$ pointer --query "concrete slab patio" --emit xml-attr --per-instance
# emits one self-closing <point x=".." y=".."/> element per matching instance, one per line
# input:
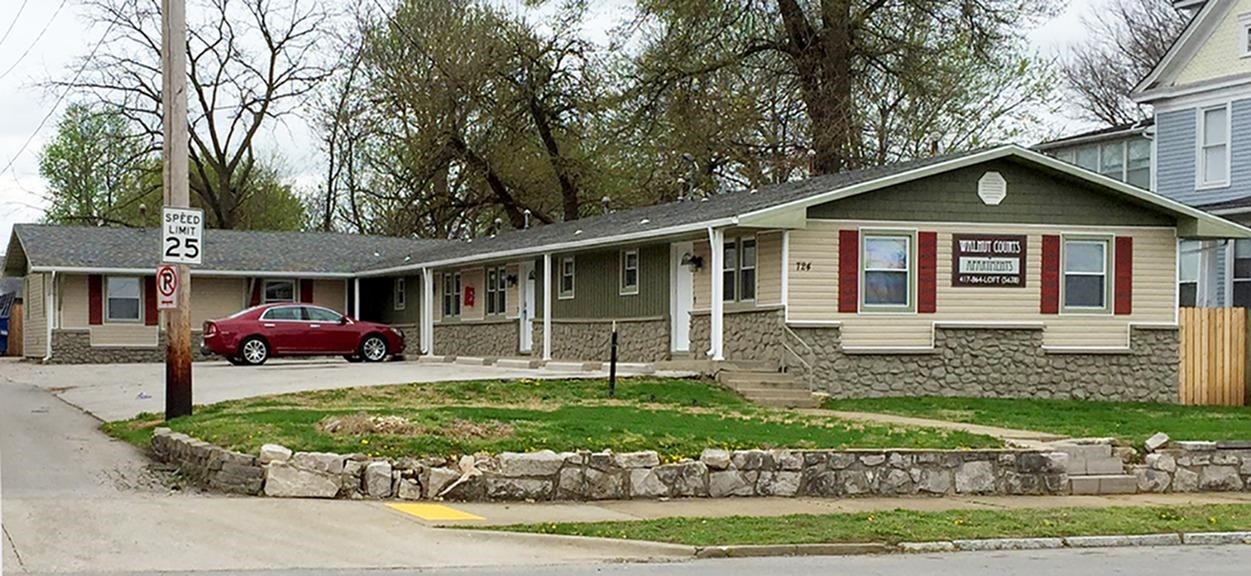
<point x="120" y="391"/>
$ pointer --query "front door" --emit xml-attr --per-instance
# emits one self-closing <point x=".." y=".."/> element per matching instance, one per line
<point x="682" y="285"/>
<point x="526" y="328"/>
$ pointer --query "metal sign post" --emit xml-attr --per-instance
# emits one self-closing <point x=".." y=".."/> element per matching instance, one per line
<point x="180" y="224"/>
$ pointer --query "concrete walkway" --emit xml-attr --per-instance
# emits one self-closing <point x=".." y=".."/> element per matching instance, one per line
<point x="1019" y="438"/>
<point x="499" y="514"/>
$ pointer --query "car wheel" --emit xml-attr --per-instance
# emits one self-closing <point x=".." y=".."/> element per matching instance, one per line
<point x="254" y="351"/>
<point x="353" y="359"/>
<point x="374" y="348"/>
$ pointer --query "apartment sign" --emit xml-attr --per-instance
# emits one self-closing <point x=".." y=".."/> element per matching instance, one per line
<point x="988" y="260"/>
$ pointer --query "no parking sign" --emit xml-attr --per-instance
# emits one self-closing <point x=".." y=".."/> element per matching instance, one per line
<point x="167" y="288"/>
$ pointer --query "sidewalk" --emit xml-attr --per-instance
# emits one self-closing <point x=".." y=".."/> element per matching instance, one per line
<point x="499" y="514"/>
<point x="1021" y="438"/>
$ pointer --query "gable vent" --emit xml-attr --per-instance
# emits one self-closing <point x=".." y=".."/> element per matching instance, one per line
<point x="992" y="188"/>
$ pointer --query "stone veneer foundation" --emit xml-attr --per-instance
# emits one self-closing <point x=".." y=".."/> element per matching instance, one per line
<point x="638" y="340"/>
<point x="487" y="338"/>
<point x="74" y="347"/>
<point x="756" y="334"/>
<point x="992" y="363"/>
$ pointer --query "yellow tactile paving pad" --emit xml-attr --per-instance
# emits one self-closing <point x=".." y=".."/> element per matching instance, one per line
<point x="436" y="512"/>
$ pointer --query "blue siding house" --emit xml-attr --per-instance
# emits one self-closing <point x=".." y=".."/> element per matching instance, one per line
<point x="1201" y="97"/>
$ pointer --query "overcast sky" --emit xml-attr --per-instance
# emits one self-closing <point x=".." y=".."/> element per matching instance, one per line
<point x="47" y="35"/>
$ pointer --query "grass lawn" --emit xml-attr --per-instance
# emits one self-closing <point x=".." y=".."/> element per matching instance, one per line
<point x="897" y="526"/>
<point x="678" y="418"/>
<point x="1130" y="422"/>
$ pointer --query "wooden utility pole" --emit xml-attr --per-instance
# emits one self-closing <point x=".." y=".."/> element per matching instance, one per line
<point x="177" y="195"/>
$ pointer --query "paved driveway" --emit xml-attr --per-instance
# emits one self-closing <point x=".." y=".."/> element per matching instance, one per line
<point x="120" y="391"/>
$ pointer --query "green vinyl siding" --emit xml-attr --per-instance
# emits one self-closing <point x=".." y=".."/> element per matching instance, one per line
<point x="597" y="285"/>
<point x="378" y="300"/>
<point x="1034" y="196"/>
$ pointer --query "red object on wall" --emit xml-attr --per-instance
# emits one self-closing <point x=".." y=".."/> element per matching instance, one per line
<point x="927" y="272"/>
<point x="150" y="313"/>
<point x="848" y="271"/>
<point x="306" y="291"/>
<point x="1123" y="276"/>
<point x="468" y="298"/>
<point x="1050" y="275"/>
<point x="255" y="299"/>
<point x="95" y="299"/>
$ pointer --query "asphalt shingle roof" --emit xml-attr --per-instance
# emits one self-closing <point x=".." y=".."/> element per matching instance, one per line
<point x="224" y="250"/>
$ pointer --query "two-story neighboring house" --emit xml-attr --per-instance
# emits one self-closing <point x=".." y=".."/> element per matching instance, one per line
<point x="1122" y="152"/>
<point x="1201" y="96"/>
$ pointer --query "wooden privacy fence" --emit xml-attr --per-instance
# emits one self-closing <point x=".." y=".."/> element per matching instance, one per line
<point x="1213" y="356"/>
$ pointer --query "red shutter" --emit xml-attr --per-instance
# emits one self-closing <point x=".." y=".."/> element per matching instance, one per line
<point x="1050" y="275"/>
<point x="95" y="299"/>
<point x="1123" y="277"/>
<point x="927" y="272"/>
<point x="848" y="271"/>
<point x="255" y="299"/>
<point x="150" y="313"/>
<point x="306" y="291"/>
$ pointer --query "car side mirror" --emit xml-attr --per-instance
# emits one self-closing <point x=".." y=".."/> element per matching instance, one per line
<point x="343" y="320"/>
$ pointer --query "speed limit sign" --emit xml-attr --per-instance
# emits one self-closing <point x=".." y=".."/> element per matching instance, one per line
<point x="167" y="288"/>
<point x="182" y="235"/>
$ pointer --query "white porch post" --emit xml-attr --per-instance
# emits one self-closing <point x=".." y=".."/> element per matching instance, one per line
<point x="356" y="298"/>
<point x="547" y="306"/>
<point x="716" y="245"/>
<point x="427" y="311"/>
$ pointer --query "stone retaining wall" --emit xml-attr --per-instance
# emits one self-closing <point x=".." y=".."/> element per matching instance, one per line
<point x="488" y="339"/>
<point x="546" y="475"/>
<point x="755" y="335"/>
<point x="74" y="347"/>
<point x="208" y="465"/>
<point x="637" y="340"/>
<point x="1196" y="467"/>
<point x="993" y="363"/>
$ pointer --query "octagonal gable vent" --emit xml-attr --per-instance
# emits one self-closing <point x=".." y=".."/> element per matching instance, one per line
<point x="992" y="188"/>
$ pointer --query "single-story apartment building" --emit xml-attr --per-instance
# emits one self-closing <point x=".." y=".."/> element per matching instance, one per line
<point x="999" y="271"/>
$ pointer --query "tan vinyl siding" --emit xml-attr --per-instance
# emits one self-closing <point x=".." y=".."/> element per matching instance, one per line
<point x="35" y="327"/>
<point x="124" y="335"/>
<point x="73" y="301"/>
<point x="1220" y="55"/>
<point x="332" y="293"/>
<point x="814" y="296"/>
<point x="512" y="296"/>
<point x="769" y="268"/>
<point x="213" y="298"/>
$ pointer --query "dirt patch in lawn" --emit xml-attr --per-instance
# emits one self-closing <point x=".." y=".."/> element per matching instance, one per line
<point x="362" y="424"/>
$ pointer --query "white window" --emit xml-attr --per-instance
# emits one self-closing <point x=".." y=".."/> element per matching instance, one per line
<point x="1244" y="40"/>
<point x="401" y="293"/>
<point x="747" y="270"/>
<point x="123" y="299"/>
<point x="1242" y="274"/>
<point x="1088" y="157"/>
<point x="279" y="291"/>
<point x="451" y="295"/>
<point x="497" y="285"/>
<point x="886" y="271"/>
<point x="738" y="280"/>
<point x="1138" y="168"/>
<point x="729" y="274"/>
<point x="566" y="277"/>
<point x="1086" y="274"/>
<point x="1188" y="273"/>
<point x="629" y="272"/>
<point x="1214" y="146"/>
<point x="1112" y="160"/>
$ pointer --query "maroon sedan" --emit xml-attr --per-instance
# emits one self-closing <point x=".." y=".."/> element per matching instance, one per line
<point x="252" y="336"/>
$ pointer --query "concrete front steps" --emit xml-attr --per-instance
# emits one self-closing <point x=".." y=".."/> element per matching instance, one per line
<point x="768" y="388"/>
<point x="1095" y="469"/>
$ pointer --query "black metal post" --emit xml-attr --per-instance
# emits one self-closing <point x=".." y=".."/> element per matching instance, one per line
<point x="612" y="364"/>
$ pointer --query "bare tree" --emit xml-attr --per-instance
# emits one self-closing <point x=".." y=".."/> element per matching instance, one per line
<point x="1126" y="39"/>
<point x="250" y="64"/>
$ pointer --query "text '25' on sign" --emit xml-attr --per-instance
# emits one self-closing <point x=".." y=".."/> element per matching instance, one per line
<point x="182" y="235"/>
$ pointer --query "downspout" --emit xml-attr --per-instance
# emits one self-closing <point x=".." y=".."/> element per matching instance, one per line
<point x="716" y="317"/>
<point x="50" y="316"/>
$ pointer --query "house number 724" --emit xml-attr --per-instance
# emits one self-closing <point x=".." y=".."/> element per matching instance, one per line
<point x="803" y="266"/>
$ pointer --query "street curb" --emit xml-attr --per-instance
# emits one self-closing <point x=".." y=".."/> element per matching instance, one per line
<point x="1113" y="541"/>
<point x="765" y="550"/>
<point x="625" y="548"/>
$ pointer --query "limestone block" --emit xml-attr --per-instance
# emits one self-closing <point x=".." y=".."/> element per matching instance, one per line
<point x="645" y="484"/>
<point x="1219" y="479"/>
<point x="286" y="481"/>
<point x="779" y="483"/>
<point x="1185" y="480"/>
<point x="644" y="459"/>
<point x="543" y="463"/>
<point x="378" y="479"/>
<point x="752" y="460"/>
<point x="274" y="453"/>
<point x="935" y="481"/>
<point x="506" y="488"/>
<point x="790" y="460"/>
<point x="408" y="489"/>
<point x="715" y="459"/>
<point x="606" y="485"/>
<point x="571" y="483"/>
<point x="1156" y="441"/>
<point x="318" y="462"/>
<point x="435" y="480"/>
<point x="722" y="483"/>
<point x="975" y="478"/>
<point x="1151" y="480"/>
<point x="1161" y="462"/>
<point x="873" y="459"/>
<point x="684" y="479"/>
